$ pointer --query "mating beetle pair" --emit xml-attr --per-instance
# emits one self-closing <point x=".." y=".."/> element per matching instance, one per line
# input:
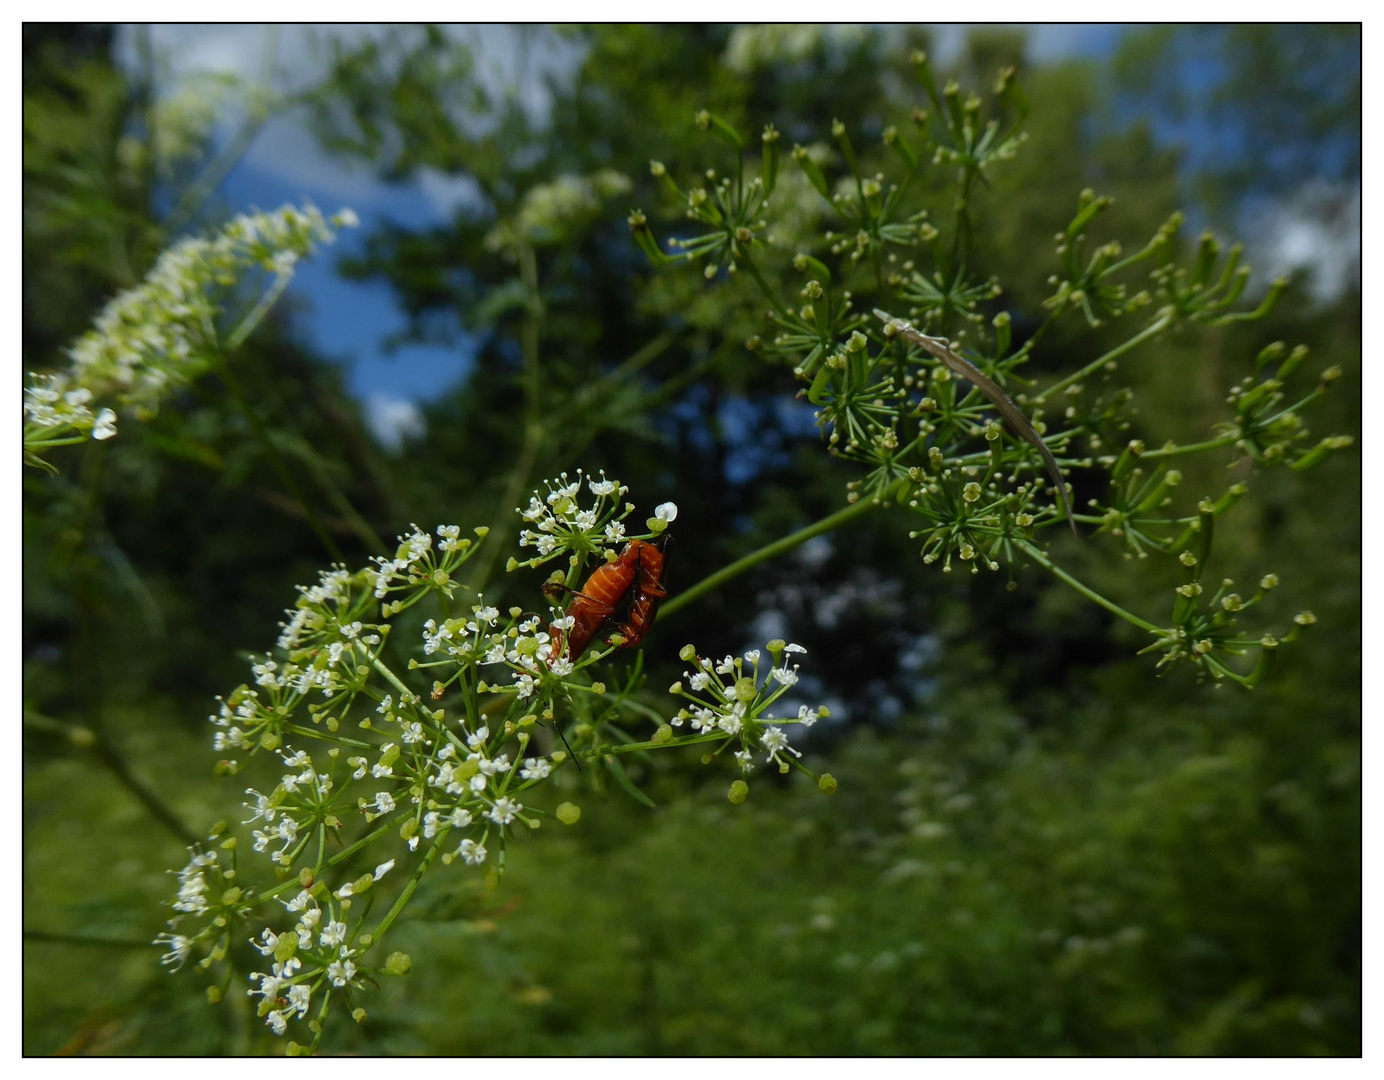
<point x="620" y="597"/>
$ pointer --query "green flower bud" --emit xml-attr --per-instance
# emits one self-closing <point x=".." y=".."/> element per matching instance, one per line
<point x="398" y="963"/>
<point x="745" y="689"/>
<point x="663" y="734"/>
<point x="287" y="946"/>
<point x="739" y="791"/>
<point x="568" y="813"/>
<point x="687" y="654"/>
<point x="827" y="783"/>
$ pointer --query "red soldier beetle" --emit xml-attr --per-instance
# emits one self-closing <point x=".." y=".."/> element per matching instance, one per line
<point x="635" y="575"/>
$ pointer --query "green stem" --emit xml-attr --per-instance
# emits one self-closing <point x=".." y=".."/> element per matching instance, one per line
<point x="257" y="313"/>
<point x="393" y="913"/>
<point x="626" y="748"/>
<point x="394" y="680"/>
<point x="96" y="744"/>
<point x="534" y="434"/>
<point x="1151" y="331"/>
<point x="340" y="856"/>
<point x="337" y="498"/>
<point x="1037" y="556"/>
<point x="275" y="458"/>
<point x="330" y="736"/>
<point x="83" y="939"/>
<point x="764" y="287"/>
<point x="1191" y="448"/>
<point x="769" y="551"/>
<point x="206" y="184"/>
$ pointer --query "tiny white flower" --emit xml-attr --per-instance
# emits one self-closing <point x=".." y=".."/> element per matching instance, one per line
<point x="299" y="997"/>
<point x="774" y="740"/>
<point x="340" y="972"/>
<point x="333" y="934"/>
<point x="383" y="868"/>
<point x="179" y="947"/>
<point x="384" y="802"/>
<point x="535" y="768"/>
<point x="105" y="425"/>
<point x="790" y="647"/>
<point x="666" y="511"/>
<point x="784" y="676"/>
<point x="298" y="902"/>
<point x="472" y="852"/>
<point x="504" y="811"/>
<point x="275" y="1019"/>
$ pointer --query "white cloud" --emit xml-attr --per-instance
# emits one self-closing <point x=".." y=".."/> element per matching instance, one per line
<point x="1315" y="229"/>
<point x="447" y="193"/>
<point x="392" y="420"/>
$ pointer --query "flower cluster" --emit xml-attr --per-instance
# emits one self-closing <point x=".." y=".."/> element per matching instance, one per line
<point x="730" y="701"/>
<point x="559" y="524"/>
<point x="448" y="771"/>
<point x="944" y="425"/>
<point x="151" y="339"/>
<point x="551" y="212"/>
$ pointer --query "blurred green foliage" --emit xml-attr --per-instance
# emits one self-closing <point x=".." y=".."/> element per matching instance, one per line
<point x="1036" y="846"/>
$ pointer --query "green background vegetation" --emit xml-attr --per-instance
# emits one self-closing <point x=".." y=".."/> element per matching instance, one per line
<point x="1037" y="845"/>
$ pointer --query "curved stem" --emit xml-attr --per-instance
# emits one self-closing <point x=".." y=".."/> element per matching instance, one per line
<point x="1037" y="556"/>
<point x="769" y="551"/>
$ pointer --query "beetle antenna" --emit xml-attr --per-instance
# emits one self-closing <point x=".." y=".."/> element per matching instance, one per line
<point x="563" y="737"/>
